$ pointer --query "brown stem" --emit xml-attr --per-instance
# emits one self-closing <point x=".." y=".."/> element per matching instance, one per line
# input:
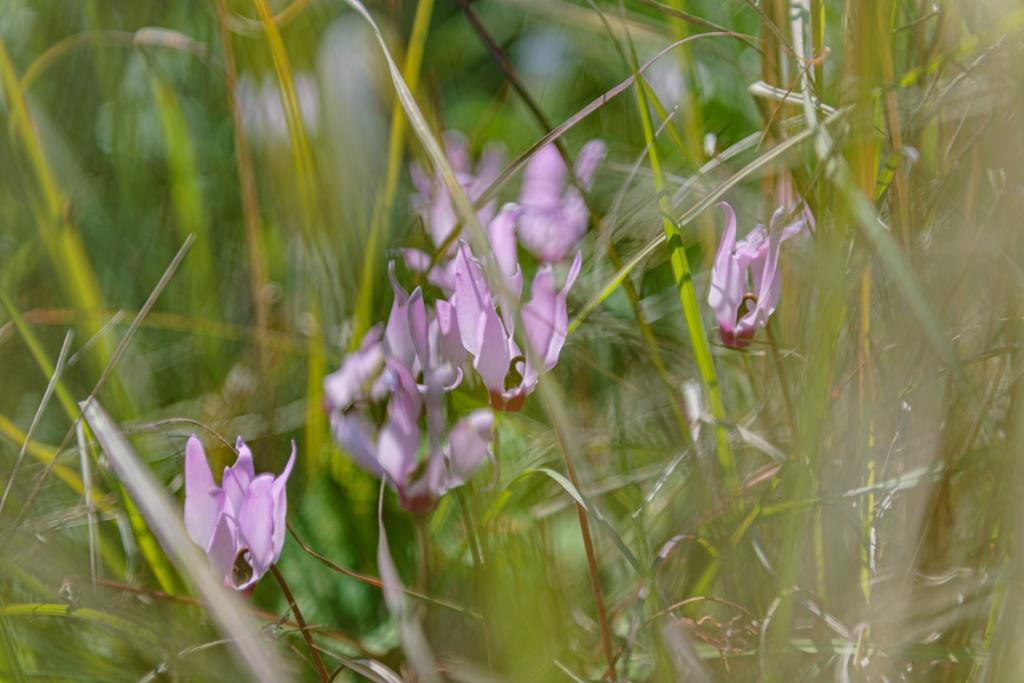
<point x="375" y="582"/>
<point x="588" y="545"/>
<point x="319" y="663"/>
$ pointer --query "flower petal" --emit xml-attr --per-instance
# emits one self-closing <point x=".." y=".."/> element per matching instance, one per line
<point x="727" y="288"/>
<point x="450" y="343"/>
<point x="545" y="318"/>
<point x="397" y="341"/>
<point x="399" y="439"/>
<point x="472" y="298"/>
<point x="589" y="158"/>
<point x="469" y="444"/>
<point x="419" y="329"/>
<point x="492" y="359"/>
<point x="543" y="179"/>
<point x="223" y="549"/>
<point x="256" y="524"/>
<point x="354" y="379"/>
<point x="279" y="493"/>
<point x="355" y="434"/>
<point x="201" y="508"/>
<point x="502" y="235"/>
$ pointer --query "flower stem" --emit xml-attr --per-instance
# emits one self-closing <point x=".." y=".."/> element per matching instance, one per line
<point x="321" y="670"/>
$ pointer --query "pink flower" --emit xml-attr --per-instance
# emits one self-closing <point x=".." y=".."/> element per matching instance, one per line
<point x="393" y="450"/>
<point x="241" y="523"/>
<point x="417" y="358"/>
<point x="553" y="218"/>
<point x="433" y="202"/>
<point x="739" y="311"/>
<point x="488" y="337"/>
<point x="358" y="378"/>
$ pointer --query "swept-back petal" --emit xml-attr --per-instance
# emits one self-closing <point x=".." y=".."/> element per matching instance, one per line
<point x="727" y="288"/>
<point x="223" y="549"/>
<point x="359" y="370"/>
<point x="256" y="523"/>
<point x="543" y="179"/>
<point x="419" y="329"/>
<point x="469" y="444"/>
<point x="399" y="438"/>
<point x="397" y="339"/>
<point x="450" y="342"/>
<point x="545" y="317"/>
<point x="201" y="507"/>
<point x="589" y="158"/>
<point x="354" y="433"/>
<point x="472" y="298"/>
<point x="243" y="463"/>
<point x="492" y="359"/>
<point x="502" y="234"/>
<point x="279" y="493"/>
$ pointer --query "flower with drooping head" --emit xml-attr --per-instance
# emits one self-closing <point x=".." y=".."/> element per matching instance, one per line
<point x="241" y="523"/>
<point x="392" y="450"/>
<point x="508" y="373"/>
<point x="738" y="264"/>
<point x="553" y="216"/>
<point x="408" y="367"/>
<point x="433" y="201"/>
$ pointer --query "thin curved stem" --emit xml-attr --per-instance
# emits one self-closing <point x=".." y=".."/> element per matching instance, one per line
<point x="321" y="670"/>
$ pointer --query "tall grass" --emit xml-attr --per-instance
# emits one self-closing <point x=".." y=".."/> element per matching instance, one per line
<point x="838" y="501"/>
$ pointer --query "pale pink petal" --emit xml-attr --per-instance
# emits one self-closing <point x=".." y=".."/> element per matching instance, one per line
<point x="397" y="340"/>
<point x="201" y="508"/>
<point x="279" y="493"/>
<point x="256" y="524"/>
<point x="589" y="158"/>
<point x="469" y="445"/>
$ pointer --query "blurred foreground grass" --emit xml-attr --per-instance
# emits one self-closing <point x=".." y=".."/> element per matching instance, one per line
<point x="849" y="510"/>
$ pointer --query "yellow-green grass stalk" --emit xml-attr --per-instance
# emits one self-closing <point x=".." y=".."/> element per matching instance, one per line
<point x="302" y="158"/>
<point x="692" y="119"/>
<point x="61" y="239"/>
<point x="186" y="195"/>
<point x="247" y="189"/>
<point x="411" y="67"/>
<point x="687" y="293"/>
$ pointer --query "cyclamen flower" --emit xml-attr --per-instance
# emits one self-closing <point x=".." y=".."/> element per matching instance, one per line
<point x="740" y="313"/>
<point x="509" y="374"/>
<point x="392" y="451"/>
<point x="434" y="203"/>
<point x="554" y="216"/>
<point x="417" y="357"/>
<point x="241" y="523"/>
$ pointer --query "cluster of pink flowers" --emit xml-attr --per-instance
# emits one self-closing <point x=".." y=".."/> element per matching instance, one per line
<point x="387" y="401"/>
<point x="391" y="391"/>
